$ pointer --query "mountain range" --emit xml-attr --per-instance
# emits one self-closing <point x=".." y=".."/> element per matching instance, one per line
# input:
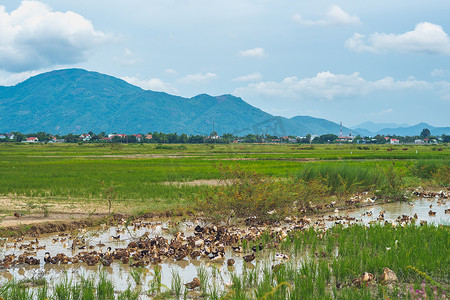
<point x="373" y="129"/>
<point x="78" y="101"/>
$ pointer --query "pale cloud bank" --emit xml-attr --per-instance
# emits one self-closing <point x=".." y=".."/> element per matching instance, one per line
<point x="10" y="79"/>
<point x="127" y="59"/>
<point x="198" y="78"/>
<point x="334" y="16"/>
<point x="326" y="86"/>
<point x="255" y="52"/>
<point x="439" y="72"/>
<point x="249" y="77"/>
<point x="171" y="72"/>
<point x="34" y="37"/>
<point x="153" y="84"/>
<point x="425" y="38"/>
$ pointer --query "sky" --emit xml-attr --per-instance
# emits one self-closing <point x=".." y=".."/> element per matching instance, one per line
<point x="345" y="61"/>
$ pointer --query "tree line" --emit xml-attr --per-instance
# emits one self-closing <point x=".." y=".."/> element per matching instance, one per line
<point x="174" y="138"/>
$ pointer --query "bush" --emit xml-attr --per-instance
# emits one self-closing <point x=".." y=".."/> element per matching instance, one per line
<point x="167" y="147"/>
<point x="394" y="187"/>
<point x="344" y="179"/>
<point x="245" y="193"/>
<point x="441" y="176"/>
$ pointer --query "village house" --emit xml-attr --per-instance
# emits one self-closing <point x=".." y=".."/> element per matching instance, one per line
<point x="395" y="141"/>
<point x="55" y="140"/>
<point x="32" y="139"/>
<point x="85" y="137"/>
<point x="138" y="137"/>
<point x="347" y="139"/>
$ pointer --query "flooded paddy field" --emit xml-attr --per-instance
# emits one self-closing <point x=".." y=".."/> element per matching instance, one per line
<point x="148" y="259"/>
<point x="327" y="249"/>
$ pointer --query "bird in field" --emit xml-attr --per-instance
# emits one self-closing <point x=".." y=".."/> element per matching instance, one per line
<point x="193" y="284"/>
<point x="49" y="259"/>
<point x="17" y="215"/>
<point x="281" y="256"/>
<point x="114" y="237"/>
<point x="237" y="249"/>
<point x="249" y="258"/>
<point x="260" y="247"/>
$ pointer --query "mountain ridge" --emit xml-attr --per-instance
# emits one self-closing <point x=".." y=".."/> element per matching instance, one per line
<point x="76" y="101"/>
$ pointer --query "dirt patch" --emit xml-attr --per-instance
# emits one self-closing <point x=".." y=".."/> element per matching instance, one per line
<point x="51" y="225"/>
<point x="198" y="182"/>
<point x="19" y="212"/>
<point x="241" y="158"/>
<point x="11" y="221"/>
<point x="124" y="156"/>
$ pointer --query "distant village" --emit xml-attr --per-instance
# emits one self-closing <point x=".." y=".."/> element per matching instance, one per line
<point x="173" y="138"/>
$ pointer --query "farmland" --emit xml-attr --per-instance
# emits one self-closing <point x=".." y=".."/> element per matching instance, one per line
<point x="139" y="174"/>
<point x="310" y="205"/>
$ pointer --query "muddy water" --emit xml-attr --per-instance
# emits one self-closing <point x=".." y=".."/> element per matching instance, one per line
<point x="392" y="211"/>
<point x="187" y="268"/>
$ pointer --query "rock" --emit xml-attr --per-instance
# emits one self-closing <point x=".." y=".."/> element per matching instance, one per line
<point x="388" y="276"/>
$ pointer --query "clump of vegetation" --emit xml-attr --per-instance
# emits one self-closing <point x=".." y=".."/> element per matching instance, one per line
<point x="344" y="178"/>
<point x="138" y="274"/>
<point x="176" y="284"/>
<point x="44" y="208"/>
<point x="167" y="147"/>
<point x="245" y="193"/>
<point x="394" y="186"/>
<point x="426" y="169"/>
<point x="442" y="176"/>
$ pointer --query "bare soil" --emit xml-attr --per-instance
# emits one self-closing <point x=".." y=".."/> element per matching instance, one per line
<point x="38" y="210"/>
<point x="198" y="182"/>
<point x="62" y="215"/>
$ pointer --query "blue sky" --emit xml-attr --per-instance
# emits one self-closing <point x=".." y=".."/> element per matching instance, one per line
<point x="349" y="61"/>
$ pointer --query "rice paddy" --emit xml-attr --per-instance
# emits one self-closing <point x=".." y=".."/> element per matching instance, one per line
<point x="324" y="258"/>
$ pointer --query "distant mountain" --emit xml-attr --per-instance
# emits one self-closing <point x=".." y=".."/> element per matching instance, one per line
<point x="414" y="130"/>
<point x="374" y="127"/>
<point x="364" y="132"/>
<point x="319" y="126"/>
<point x="77" y="101"/>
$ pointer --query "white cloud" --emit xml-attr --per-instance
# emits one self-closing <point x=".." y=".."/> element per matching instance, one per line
<point x="328" y="86"/>
<point x="425" y="38"/>
<point x="439" y="72"/>
<point x="249" y="77"/>
<point x="334" y="16"/>
<point x="10" y="79"/>
<point x="127" y="58"/>
<point x="386" y="111"/>
<point x="255" y="52"/>
<point x="34" y="37"/>
<point x="198" y="78"/>
<point x="170" y="72"/>
<point x="153" y="84"/>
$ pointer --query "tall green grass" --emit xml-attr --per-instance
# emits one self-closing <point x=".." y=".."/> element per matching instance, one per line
<point x="342" y="178"/>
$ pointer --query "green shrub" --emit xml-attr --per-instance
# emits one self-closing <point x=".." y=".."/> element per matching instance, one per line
<point x="245" y="193"/>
